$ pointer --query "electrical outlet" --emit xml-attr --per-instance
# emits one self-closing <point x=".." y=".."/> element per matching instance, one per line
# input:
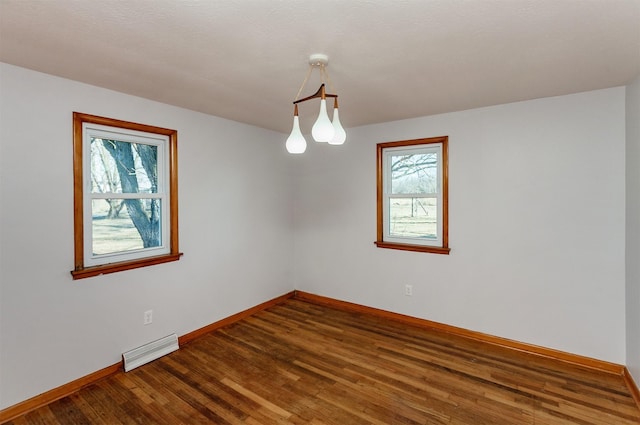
<point x="408" y="290"/>
<point x="148" y="317"/>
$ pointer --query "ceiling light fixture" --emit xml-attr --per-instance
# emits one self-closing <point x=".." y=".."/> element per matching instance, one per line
<point x="324" y="130"/>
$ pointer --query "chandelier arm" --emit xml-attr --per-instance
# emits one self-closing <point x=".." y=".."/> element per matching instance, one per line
<point x="315" y="95"/>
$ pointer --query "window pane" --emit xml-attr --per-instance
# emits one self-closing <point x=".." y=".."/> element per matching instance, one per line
<point x="413" y="218"/>
<point x="416" y="173"/>
<point x="121" y="225"/>
<point x="123" y="167"/>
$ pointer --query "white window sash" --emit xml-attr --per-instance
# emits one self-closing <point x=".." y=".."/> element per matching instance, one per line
<point x="387" y="195"/>
<point x="91" y="130"/>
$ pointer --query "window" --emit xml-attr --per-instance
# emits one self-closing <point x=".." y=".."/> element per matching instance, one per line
<point x="125" y="195"/>
<point x="413" y="195"/>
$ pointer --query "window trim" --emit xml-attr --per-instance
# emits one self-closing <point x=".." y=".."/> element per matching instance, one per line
<point x="80" y="269"/>
<point x="380" y="183"/>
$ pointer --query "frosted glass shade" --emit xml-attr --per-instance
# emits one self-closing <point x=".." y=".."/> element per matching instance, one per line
<point x="322" y="130"/>
<point x="296" y="143"/>
<point x="339" y="134"/>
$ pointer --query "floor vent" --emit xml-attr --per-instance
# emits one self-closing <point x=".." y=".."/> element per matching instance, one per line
<point x="148" y="352"/>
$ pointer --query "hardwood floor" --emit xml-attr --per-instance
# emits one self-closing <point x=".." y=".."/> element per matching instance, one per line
<point x="302" y="363"/>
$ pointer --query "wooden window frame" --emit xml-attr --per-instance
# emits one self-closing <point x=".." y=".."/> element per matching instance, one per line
<point x="380" y="170"/>
<point x="80" y="270"/>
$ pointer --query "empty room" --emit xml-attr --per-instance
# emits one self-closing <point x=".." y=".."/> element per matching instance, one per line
<point x="320" y="212"/>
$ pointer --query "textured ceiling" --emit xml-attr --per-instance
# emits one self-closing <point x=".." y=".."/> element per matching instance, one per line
<point x="389" y="59"/>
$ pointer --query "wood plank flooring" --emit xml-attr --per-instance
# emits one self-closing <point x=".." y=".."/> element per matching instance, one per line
<point x="302" y="363"/>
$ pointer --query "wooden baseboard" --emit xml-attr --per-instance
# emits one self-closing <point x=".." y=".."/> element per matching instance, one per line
<point x="557" y="355"/>
<point x="43" y="399"/>
<point x="633" y="387"/>
<point x="185" y="339"/>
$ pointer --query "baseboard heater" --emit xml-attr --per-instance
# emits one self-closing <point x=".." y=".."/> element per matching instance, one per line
<point x="149" y="352"/>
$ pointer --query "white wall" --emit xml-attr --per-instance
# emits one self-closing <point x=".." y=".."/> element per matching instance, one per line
<point x="633" y="228"/>
<point x="537" y="215"/>
<point x="235" y="232"/>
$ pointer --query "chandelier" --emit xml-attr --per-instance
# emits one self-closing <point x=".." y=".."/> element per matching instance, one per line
<point x="324" y="130"/>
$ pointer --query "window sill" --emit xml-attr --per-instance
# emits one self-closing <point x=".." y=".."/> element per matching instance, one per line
<point x="415" y="248"/>
<point x="82" y="273"/>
